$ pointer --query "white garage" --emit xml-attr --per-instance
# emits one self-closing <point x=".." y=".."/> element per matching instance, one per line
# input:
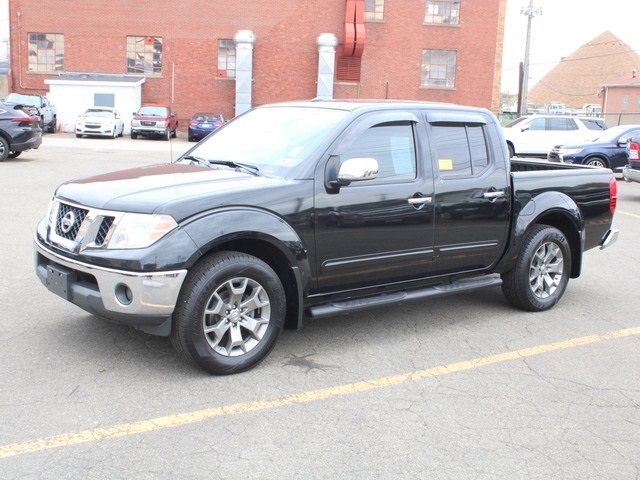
<point x="73" y="93"/>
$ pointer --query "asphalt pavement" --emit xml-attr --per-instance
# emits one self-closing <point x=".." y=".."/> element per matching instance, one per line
<point x="463" y="387"/>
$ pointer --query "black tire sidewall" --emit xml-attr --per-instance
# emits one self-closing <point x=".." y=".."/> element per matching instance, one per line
<point x="6" y="150"/>
<point x="548" y="234"/>
<point x="192" y="311"/>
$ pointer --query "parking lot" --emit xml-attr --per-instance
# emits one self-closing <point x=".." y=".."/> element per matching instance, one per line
<point x="460" y="387"/>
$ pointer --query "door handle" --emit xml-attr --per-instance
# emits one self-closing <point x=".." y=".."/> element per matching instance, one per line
<point x="419" y="200"/>
<point x="493" y="195"/>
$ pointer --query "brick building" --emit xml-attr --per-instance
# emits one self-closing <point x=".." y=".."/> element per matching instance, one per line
<point x="621" y="100"/>
<point x="433" y="50"/>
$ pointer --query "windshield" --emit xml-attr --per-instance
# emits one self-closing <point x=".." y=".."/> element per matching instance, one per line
<point x="274" y="139"/>
<point x="23" y="99"/>
<point x="98" y="113"/>
<point x="208" y="117"/>
<point x="153" y="111"/>
<point x="515" y="122"/>
<point x="612" y="134"/>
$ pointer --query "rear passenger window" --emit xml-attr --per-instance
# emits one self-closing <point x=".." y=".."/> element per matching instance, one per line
<point x="460" y="150"/>
<point x="392" y="145"/>
<point x="562" y="124"/>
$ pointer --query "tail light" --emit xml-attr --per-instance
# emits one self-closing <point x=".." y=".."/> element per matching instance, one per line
<point x="634" y="151"/>
<point x="24" y="121"/>
<point x="613" y="195"/>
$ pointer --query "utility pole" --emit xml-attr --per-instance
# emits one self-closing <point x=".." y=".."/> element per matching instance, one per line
<point x="530" y="12"/>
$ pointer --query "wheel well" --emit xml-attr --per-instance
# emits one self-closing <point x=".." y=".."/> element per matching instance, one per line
<point x="277" y="260"/>
<point x="6" y="137"/>
<point x="568" y="227"/>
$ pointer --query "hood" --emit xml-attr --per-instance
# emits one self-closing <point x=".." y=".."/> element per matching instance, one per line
<point x="96" y="119"/>
<point x="179" y="190"/>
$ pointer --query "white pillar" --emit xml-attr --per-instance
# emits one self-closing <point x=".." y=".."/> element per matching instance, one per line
<point x="244" y="69"/>
<point x="327" y="43"/>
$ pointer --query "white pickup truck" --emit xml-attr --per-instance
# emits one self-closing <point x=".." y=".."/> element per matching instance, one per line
<point x="536" y="135"/>
<point x="41" y="107"/>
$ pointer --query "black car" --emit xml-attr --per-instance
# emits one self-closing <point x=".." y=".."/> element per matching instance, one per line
<point x="310" y="209"/>
<point x="609" y="150"/>
<point x="202" y="124"/>
<point x="18" y="131"/>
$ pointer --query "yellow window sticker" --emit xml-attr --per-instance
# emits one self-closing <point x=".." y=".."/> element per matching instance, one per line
<point x="444" y="164"/>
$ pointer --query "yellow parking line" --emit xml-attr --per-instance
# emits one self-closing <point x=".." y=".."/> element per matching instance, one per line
<point x="170" y="421"/>
<point x="628" y="214"/>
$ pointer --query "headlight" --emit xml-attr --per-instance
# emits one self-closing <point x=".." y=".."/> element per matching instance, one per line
<point x="569" y="151"/>
<point x="135" y="123"/>
<point x="137" y="230"/>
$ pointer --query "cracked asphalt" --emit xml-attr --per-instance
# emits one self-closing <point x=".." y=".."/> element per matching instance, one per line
<point x="572" y="413"/>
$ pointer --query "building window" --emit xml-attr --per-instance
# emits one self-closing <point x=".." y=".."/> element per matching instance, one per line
<point x="373" y="10"/>
<point x="226" y="58"/>
<point x="442" y="12"/>
<point x="625" y="102"/>
<point x="144" y="55"/>
<point x="348" y="69"/>
<point x="46" y="52"/>
<point x="439" y="68"/>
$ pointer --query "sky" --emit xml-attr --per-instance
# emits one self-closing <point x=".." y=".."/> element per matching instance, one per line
<point x="563" y="27"/>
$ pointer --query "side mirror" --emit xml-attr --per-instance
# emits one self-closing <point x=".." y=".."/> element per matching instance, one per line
<point x="623" y="141"/>
<point x="357" y="170"/>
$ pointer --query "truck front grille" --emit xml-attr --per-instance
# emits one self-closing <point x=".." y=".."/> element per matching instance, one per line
<point x="103" y="231"/>
<point x="68" y="221"/>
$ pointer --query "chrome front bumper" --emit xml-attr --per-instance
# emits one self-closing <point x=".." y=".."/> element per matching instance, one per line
<point x="99" y="290"/>
<point x="609" y="238"/>
<point x="631" y="174"/>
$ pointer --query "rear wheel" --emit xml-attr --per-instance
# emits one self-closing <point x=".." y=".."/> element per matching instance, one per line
<point x="4" y="149"/>
<point x="597" y="162"/>
<point x="541" y="273"/>
<point x="229" y="314"/>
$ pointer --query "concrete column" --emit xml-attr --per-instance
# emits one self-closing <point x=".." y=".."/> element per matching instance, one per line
<point x="244" y="69"/>
<point x="327" y="43"/>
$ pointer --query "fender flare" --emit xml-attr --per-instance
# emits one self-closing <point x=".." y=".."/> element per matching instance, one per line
<point x="530" y="212"/>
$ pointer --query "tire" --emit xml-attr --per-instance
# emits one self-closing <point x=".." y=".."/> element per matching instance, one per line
<point x="190" y="139"/>
<point x="78" y="135"/>
<point x="134" y="135"/>
<point x="517" y="284"/>
<point x="512" y="152"/>
<point x="121" y="132"/>
<point x="597" y="162"/>
<point x="14" y="154"/>
<point x="167" y="135"/>
<point x="52" y="125"/>
<point x="115" y="134"/>
<point x="174" y="134"/>
<point x="216" y="353"/>
<point x="4" y="149"/>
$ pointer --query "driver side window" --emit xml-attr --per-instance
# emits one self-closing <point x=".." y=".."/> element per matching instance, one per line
<point x="392" y="145"/>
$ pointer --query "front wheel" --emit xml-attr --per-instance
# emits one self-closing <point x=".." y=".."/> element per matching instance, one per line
<point x="229" y="314"/>
<point x="541" y="273"/>
<point x="52" y="126"/>
<point x="134" y="135"/>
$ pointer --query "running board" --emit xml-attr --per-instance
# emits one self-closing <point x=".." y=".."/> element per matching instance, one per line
<point x="459" y="286"/>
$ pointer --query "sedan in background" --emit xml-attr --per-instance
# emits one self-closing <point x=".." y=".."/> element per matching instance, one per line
<point x="609" y="150"/>
<point x="18" y="131"/>
<point x="202" y="124"/>
<point x="100" y="121"/>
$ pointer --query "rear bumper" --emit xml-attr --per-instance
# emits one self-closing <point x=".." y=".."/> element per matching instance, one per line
<point x="34" y="142"/>
<point x="98" y="290"/>
<point x="609" y="238"/>
<point x="631" y="174"/>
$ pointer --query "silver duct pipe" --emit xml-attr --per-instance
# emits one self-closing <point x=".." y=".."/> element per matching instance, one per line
<point x="327" y="43"/>
<point x="244" y="69"/>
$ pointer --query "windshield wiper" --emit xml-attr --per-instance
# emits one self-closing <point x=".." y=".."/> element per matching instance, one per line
<point x="197" y="160"/>
<point x="252" y="169"/>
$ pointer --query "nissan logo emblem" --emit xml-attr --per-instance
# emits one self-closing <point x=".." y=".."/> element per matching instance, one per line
<point x="67" y="222"/>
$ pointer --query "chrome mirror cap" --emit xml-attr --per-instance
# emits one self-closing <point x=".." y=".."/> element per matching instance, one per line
<point x="357" y="170"/>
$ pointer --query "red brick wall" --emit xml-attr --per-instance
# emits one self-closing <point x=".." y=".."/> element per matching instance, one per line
<point x="285" y="55"/>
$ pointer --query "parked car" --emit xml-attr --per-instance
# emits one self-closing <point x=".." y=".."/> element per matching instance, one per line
<point x="154" y="121"/>
<point x="631" y="172"/>
<point x="609" y="150"/>
<point x="241" y="236"/>
<point x="100" y="121"/>
<point x="18" y="131"/>
<point x="202" y="124"/>
<point x="536" y="135"/>
<point x="43" y="109"/>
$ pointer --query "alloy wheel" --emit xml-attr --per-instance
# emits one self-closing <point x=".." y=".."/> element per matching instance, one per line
<point x="546" y="270"/>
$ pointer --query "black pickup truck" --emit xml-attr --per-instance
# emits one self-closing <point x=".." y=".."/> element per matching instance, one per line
<point x="311" y="209"/>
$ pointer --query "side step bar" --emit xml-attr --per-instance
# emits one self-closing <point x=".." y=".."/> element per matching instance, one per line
<point x="459" y="286"/>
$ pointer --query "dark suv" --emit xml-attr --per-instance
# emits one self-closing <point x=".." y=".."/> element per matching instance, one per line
<point x="18" y="131"/>
<point x="154" y="121"/>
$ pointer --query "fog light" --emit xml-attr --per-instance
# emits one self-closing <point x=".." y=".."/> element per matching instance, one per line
<point x="124" y="295"/>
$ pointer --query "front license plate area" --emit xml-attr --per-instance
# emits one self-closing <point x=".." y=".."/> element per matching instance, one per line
<point x="59" y="281"/>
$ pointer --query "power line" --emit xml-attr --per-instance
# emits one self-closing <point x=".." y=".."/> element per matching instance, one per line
<point x="565" y="60"/>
